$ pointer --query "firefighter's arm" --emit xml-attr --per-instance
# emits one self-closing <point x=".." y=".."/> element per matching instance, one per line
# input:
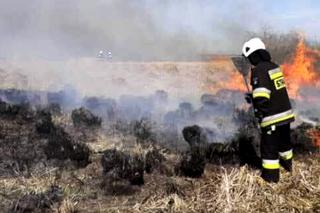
<point x="261" y="93"/>
<point x="261" y="106"/>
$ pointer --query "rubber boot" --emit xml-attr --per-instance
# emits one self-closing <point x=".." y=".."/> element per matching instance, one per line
<point x="286" y="164"/>
<point x="271" y="175"/>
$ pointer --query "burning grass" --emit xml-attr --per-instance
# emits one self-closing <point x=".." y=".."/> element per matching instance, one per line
<point x="301" y="70"/>
<point x="315" y="136"/>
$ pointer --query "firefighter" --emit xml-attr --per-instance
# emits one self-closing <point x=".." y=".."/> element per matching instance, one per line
<point x="272" y="109"/>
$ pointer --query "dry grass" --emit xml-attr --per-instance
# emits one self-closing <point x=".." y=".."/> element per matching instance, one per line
<point x="221" y="189"/>
<point x="68" y="206"/>
<point x="242" y="190"/>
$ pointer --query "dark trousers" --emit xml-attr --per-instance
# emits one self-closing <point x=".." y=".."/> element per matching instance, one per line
<point x="276" y="149"/>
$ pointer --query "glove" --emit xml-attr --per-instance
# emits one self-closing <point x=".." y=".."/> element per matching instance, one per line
<point x="248" y="97"/>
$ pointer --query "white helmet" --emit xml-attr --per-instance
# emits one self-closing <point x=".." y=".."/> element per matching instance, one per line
<point x="252" y="45"/>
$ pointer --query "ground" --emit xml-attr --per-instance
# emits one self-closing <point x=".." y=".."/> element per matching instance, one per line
<point x="223" y="188"/>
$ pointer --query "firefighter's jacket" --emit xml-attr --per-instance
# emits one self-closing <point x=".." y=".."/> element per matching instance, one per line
<point x="270" y="98"/>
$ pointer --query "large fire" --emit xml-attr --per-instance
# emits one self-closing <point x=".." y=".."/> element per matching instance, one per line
<point x="237" y="82"/>
<point x="301" y="70"/>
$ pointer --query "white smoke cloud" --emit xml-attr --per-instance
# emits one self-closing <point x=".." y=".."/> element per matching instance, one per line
<point x="135" y="29"/>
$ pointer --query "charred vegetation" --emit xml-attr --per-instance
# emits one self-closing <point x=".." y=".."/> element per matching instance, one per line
<point x="39" y="202"/>
<point x="84" y="118"/>
<point x="302" y="140"/>
<point x="107" y="108"/>
<point x="191" y="164"/>
<point x="61" y="146"/>
<point x="239" y="150"/>
<point x="122" y="172"/>
<point x="29" y="139"/>
<point x="194" y="161"/>
<point x="44" y="123"/>
<point x="119" y="166"/>
<point x="154" y="160"/>
<point x="142" y="130"/>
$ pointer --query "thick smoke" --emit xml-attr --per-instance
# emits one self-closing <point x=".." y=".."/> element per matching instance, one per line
<point x="132" y="30"/>
<point x="169" y="95"/>
<point x="143" y="29"/>
<point x="216" y="113"/>
<point x="74" y="31"/>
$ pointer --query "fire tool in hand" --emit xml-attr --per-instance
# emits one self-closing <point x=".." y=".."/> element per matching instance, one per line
<point x="243" y="66"/>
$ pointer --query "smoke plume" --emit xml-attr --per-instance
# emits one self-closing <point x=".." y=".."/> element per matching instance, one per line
<point x="132" y="30"/>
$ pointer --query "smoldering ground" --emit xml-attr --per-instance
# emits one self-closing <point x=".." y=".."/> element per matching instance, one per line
<point x="129" y="112"/>
<point x="169" y="95"/>
<point x="163" y="92"/>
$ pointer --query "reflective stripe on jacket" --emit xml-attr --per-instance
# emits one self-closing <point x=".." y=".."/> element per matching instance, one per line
<point x="270" y="97"/>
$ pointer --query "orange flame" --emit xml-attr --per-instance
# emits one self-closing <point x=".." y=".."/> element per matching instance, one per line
<point x="229" y="78"/>
<point x="315" y="136"/>
<point x="236" y="82"/>
<point x="301" y="71"/>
